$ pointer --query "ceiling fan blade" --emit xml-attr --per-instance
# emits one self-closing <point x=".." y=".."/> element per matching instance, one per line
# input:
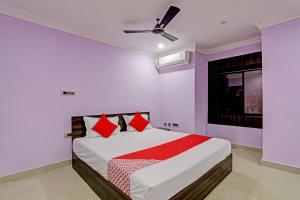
<point x="171" y="13"/>
<point x="169" y="37"/>
<point x="137" y="31"/>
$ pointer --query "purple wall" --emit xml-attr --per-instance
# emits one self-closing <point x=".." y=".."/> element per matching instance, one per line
<point x="36" y="63"/>
<point x="251" y="137"/>
<point x="177" y="96"/>
<point x="237" y="135"/>
<point x="201" y="91"/>
<point x="234" y="52"/>
<point x="281" y="69"/>
<point x="177" y="99"/>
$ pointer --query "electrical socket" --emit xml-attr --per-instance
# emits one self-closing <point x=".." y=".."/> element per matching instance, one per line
<point x="66" y="135"/>
<point x="175" y="124"/>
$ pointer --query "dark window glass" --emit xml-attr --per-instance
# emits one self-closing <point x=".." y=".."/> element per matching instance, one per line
<point x="253" y="92"/>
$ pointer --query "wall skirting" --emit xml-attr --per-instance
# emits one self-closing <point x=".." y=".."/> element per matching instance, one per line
<point x="238" y="146"/>
<point x="280" y="166"/>
<point x="35" y="171"/>
<point x="268" y="163"/>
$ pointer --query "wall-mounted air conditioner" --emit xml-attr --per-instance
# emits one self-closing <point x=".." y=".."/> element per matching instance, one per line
<point x="174" y="60"/>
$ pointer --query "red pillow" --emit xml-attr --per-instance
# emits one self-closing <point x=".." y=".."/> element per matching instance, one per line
<point x="138" y="122"/>
<point x="104" y="127"/>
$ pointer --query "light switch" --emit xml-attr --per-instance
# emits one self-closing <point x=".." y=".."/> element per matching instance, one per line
<point x="67" y="93"/>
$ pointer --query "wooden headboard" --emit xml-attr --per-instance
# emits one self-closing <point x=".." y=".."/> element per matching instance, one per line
<point x="79" y="129"/>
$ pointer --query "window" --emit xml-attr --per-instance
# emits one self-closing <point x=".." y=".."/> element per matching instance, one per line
<point x="253" y="92"/>
<point x="235" y="91"/>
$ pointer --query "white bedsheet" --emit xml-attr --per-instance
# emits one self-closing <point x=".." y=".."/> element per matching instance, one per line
<point x="159" y="181"/>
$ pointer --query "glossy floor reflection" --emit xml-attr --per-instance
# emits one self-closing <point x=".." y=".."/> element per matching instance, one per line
<point x="248" y="181"/>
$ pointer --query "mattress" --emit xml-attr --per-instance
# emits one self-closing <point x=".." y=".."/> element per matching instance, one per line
<point x="159" y="181"/>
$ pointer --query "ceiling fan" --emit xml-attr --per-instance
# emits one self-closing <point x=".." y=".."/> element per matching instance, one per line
<point x="161" y="25"/>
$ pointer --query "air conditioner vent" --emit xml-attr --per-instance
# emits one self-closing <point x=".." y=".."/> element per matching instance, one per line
<point x="174" y="60"/>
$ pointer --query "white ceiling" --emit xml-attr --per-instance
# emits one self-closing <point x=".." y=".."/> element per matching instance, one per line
<point x="197" y="23"/>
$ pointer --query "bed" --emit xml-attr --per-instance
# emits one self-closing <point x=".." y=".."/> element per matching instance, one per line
<point x="190" y="175"/>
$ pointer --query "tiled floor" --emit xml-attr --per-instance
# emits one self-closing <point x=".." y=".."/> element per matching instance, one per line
<point x="251" y="181"/>
<point x="248" y="181"/>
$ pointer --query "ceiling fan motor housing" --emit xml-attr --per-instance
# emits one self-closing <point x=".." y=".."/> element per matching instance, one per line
<point x="158" y="30"/>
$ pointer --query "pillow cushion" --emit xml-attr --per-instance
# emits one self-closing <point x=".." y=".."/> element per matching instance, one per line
<point x="139" y="122"/>
<point x="90" y="122"/>
<point x="104" y="126"/>
<point x="128" y="119"/>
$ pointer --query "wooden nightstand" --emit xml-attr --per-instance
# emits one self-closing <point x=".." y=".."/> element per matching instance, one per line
<point x="163" y="128"/>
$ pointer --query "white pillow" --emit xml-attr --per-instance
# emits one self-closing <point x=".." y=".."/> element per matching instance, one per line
<point x="128" y="119"/>
<point x="91" y="121"/>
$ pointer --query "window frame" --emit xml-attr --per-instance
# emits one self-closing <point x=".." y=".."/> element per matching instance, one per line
<point x="238" y="64"/>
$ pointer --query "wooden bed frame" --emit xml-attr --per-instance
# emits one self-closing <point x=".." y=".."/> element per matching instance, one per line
<point x="107" y="191"/>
